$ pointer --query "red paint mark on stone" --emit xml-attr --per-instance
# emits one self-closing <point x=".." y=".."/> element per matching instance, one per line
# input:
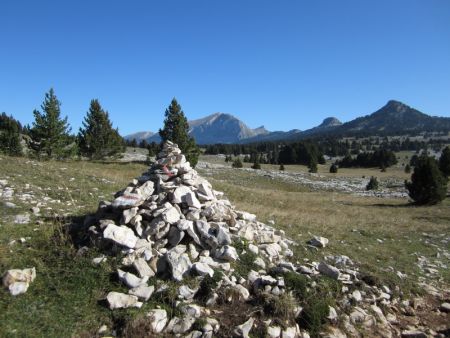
<point x="166" y="171"/>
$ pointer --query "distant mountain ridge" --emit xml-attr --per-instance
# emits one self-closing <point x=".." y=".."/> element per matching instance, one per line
<point x="215" y="128"/>
<point x="394" y="118"/>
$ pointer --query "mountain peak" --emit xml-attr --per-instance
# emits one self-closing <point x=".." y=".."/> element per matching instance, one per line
<point x="330" y="122"/>
<point x="394" y="105"/>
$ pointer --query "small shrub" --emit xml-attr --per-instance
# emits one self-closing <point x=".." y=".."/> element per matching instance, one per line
<point x="314" y="315"/>
<point x="208" y="285"/>
<point x="334" y="168"/>
<point x="407" y="169"/>
<point x="256" y="165"/>
<point x="373" y="184"/>
<point x="297" y="283"/>
<point x="312" y="166"/>
<point x="281" y="167"/>
<point x="237" y="163"/>
<point x="281" y="307"/>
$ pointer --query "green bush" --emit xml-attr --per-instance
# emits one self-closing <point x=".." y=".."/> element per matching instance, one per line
<point x="237" y="163"/>
<point x="334" y="168"/>
<point x="373" y="184"/>
<point x="312" y="166"/>
<point x="281" y="167"/>
<point x="407" y="169"/>
<point x="256" y="165"/>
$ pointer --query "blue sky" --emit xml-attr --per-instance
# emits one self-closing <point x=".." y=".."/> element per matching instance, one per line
<point x="283" y="64"/>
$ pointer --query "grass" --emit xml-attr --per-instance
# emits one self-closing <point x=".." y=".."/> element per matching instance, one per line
<point x="354" y="225"/>
<point x="66" y="297"/>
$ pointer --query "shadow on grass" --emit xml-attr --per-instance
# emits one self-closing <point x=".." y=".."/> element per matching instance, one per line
<point x="394" y="206"/>
<point x="74" y="227"/>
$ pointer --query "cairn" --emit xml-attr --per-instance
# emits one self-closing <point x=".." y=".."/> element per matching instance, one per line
<point x="170" y="223"/>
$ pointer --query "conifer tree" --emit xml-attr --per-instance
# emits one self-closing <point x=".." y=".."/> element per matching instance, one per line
<point x="373" y="184"/>
<point x="312" y="167"/>
<point x="407" y="168"/>
<point x="97" y="138"/>
<point x="444" y="162"/>
<point x="428" y="185"/>
<point x="333" y="168"/>
<point x="176" y="129"/>
<point x="10" y="136"/>
<point x="237" y="163"/>
<point x="50" y="133"/>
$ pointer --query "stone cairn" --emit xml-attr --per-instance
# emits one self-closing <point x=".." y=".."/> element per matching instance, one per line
<point x="170" y="223"/>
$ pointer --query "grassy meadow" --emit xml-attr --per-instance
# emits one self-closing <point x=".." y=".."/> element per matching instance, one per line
<point x="383" y="235"/>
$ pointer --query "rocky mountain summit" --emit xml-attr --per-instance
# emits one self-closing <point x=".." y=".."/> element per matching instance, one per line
<point x="171" y="227"/>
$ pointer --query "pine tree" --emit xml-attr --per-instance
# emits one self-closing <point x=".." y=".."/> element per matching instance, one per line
<point x="444" y="162"/>
<point x="373" y="184"/>
<point x="407" y="168"/>
<point x="428" y="185"/>
<point x="312" y="165"/>
<point x="10" y="136"/>
<point x="256" y="165"/>
<point x="333" y="168"/>
<point x="50" y="133"/>
<point x="97" y="138"/>
<point x="176" y="129"/>
<point x="237" y="163"/>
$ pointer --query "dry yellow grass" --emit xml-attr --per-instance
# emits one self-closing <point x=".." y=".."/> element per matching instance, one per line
<point x="378" y="233"/>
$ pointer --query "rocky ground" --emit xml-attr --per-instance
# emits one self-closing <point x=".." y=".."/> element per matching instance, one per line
<point x="389" y="188"/>
<point x="198" y="267"/>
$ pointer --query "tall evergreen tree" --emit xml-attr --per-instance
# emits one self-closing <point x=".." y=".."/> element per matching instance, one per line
<point x="444" y="161"/>
<point x="97" y="138"/>
<point x="428" y="185"/>
<point x="10" y="136"/>
<point x="50" y="133"/>
<point x="176" y="129"/>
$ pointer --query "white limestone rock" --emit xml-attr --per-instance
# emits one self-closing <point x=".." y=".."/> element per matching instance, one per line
<point x="171" y="215"/>
<point x="329" y="270"/>
<point x="158" y="319"/>
<point x="318" y="242"/>
<point x="192" y="201"/>
<point x="128" y="214"/>
<point x="180" y="193"/>
<point x="273" y="331"/>
<point x="127" y="200"/>
<point x="244" y="329"/>
<point x="202" y="269"/>
<point x="130" y="280"/>
<point x="143" y="292"/>
<point x="179" y="262"/>
<point x="121" y="235"/>
<point x="142" y="268"/>
<point x="242" y="291"/>
<point x="22" y="219"/>
<point x="180" y="325"/>
<point x="117" y="300"/>
<point x="17" y="281"/>
<point x="227" y="253"/>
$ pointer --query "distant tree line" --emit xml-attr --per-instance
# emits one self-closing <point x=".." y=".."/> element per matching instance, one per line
<point x="381" y="158"/>
<point x="152" y="147"/>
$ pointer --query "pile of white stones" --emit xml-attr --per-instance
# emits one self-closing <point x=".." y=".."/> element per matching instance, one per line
<point x="171" y="224"/>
